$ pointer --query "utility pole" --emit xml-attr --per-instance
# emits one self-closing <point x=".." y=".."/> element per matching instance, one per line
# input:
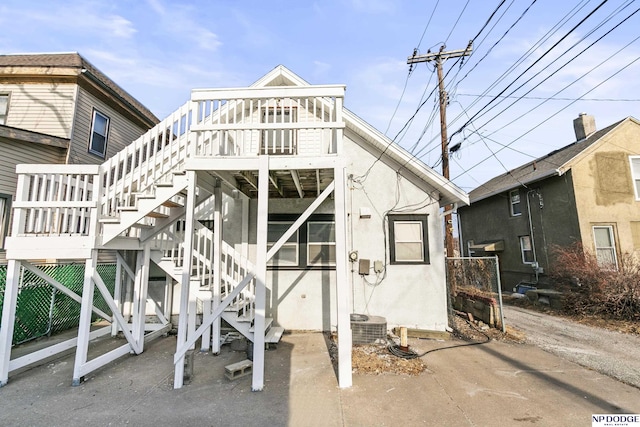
<point x="439" y="57"/>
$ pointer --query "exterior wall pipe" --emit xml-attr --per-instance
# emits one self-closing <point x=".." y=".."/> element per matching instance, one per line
<point x="533" y="240"/>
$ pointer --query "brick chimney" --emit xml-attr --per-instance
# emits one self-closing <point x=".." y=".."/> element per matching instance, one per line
<point x="584" y="126"/>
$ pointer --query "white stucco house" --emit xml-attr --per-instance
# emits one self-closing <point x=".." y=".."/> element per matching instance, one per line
<point x="294" y="212"/>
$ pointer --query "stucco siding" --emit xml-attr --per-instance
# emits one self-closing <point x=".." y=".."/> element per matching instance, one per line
<point x="408" y="295"/>
<point x="604" y="188"/>
<point x="120" y="134"/>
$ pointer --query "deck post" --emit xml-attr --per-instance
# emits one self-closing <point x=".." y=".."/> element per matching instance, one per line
<point x="261" y="275"/>
<point x="140" y="296"/>
<point x="178" y="379"/>
<point x="117" y="294"/>
<point x="84" y="327"/>
<point x="8" y="317"/>
<point x="217" y="265"/>
<point x="343" y="292"/>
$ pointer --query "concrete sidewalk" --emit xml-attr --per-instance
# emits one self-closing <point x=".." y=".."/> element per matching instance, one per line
<point x="493" y="384"/>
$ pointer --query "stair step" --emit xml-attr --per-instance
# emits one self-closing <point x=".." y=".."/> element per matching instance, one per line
<point x="156" y="214"/>
<point x="127" y="208"/>
<point x="172" y="204"/>
<point x="274" y="334"/>
<point x="239" y="369"/>
<point x="267" y="324"/>
<point x="142" y="226"/>
<point x="164" y="184"/>
<point x="109" y="220"/>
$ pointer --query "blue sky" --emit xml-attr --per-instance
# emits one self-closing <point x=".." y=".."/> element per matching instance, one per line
<point x="159" y="50"/>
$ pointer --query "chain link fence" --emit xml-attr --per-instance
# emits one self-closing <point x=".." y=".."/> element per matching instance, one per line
<point x="474" y="286"/>
<point x="42" y="309"/>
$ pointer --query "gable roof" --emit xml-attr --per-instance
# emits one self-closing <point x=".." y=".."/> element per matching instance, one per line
<point x="554" y="163"/>
<point x="449" y="192"/>
<point x="9" y="64"/>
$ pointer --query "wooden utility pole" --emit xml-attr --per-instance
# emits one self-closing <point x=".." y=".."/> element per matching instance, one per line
<point x="439" y="57"/>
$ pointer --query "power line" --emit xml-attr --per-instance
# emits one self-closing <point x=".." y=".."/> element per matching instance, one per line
<point x="551" y="98"/>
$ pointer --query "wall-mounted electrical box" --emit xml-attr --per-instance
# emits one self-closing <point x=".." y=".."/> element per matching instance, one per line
<point x="364" y="267"/>
<point x="365" y="212"/>
<point x="377" y="266"/>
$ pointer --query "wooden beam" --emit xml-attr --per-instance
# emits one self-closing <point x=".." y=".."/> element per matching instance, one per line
<point x="296" y="180"/>
<point x="250" y="179"/>
<point x="274" y="180"/>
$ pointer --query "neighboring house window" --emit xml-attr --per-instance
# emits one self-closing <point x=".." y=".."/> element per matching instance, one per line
<point x="514" y="201"/>
<point x="279" y="141"/>
<point x="321" y="243"/>
<point x="313" y="245"/>
<point x="526" y="248"/>
<point x="288" y="253"/>
<point x="635" y="174"/>
<point x="605" y="246"/>
<point x="99" y="134"/>
<point x="5" y="202"/>
<point x="408" y="239"/>
<point x="4" y="108"/>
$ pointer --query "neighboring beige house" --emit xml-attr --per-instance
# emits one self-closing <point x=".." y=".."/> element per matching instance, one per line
<point x="587" y="192"/>
<point x="58" y="108"/>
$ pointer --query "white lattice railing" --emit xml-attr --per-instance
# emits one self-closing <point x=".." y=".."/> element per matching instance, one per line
<point x="55" y="200"/>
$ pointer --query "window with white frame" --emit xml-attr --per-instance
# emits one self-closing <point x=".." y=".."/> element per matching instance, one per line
<point x="605" y="246"/>
<point x="4" y="108"/>
<point x="99" y="134"/>
<point x="514" y="203"/>
<point x="321" y="243"/>
<point x="275" y="140"/>
<point x="5" y="202"/>
<point x="288" y="253"/>
<point x="635" y="174"/>
<point x="408" y="239"/>
<point x="526" y="249"/>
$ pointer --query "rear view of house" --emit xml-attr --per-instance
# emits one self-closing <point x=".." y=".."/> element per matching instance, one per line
<point x="587" y="192"/>
<point x="269" y="207"/>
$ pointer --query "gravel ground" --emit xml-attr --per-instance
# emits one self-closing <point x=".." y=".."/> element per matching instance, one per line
<point x="611" y="353"/>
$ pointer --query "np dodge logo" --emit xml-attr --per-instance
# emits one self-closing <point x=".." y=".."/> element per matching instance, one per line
<point x="615" y="420"/>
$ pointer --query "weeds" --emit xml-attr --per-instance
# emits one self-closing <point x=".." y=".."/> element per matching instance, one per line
<point x="593" y="290"/>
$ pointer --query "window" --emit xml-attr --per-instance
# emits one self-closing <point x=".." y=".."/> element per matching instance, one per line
<point x="526" y="248"/>
<point x="605" y="246"/>
<point x="321" y="243"/>
<point x="408" y="239"/>
<point x="313" y="245"/>
<point x="279" y="141"/>
<point x="514" y="200"/>
<point x="5" y="204"/>
<point x="4" y="108"/>
<point x="288" y="253"/>
<point x="99" y="134"/>
<point x="635" y="174"/>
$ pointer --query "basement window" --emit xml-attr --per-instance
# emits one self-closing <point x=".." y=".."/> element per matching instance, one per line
<point x="605" y="244"/>
<point x="287" y="255"/>
<point x="408" y="239"/>
<point x="99" y="134"/>
<point x="526" y="249"/>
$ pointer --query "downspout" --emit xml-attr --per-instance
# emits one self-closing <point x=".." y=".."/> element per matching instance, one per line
<point x="533" y="240"/>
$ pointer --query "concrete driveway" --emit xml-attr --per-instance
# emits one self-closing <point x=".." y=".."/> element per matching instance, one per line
<point x="492" y="384"/>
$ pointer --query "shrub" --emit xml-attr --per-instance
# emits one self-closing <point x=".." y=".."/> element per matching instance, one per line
<point x="591" y="289"/>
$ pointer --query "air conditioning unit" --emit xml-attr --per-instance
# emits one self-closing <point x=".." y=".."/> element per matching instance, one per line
<point x="368" y="329"/>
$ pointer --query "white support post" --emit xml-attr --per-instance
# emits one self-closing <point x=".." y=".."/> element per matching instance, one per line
<point x="84" y="328"/>
<point x="140" y="296"/>
<point x="261" y="275"/>
<point x="343" y="292"/>
<point x="178" y="379"/>
<point x="117" y="294"/>
<point x="245" y="226"/>
<point x="8" y="318"/>
<point x="168" y="297"/>
<point x="217" y="265"/>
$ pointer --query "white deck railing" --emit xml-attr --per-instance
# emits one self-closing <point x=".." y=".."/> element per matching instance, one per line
<point x="55" y="200"/>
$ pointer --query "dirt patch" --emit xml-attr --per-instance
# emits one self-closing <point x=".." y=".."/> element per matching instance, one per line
<point x="376" y="359"/>
<point x="479" y="332"/>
